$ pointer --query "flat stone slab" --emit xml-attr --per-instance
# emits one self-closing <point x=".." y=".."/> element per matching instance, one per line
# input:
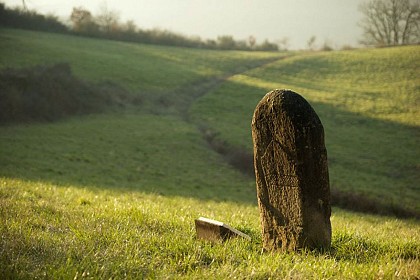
<point x="213" y="230"/>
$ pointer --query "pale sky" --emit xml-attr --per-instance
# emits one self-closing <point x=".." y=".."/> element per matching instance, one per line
<point x="334" y="21"/>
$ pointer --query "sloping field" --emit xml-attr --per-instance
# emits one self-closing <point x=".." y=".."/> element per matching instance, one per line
<point x="114" y="195"/>
<point x="139" y="68"/>
<point x="156" y="149"/>
<point x="122" y="150"/>
<point x="368" y="101"/>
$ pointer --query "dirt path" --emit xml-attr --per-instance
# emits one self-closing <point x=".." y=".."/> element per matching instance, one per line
<point x="242" y="160"/>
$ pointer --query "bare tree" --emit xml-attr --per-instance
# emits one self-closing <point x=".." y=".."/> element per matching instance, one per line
<point x="108" y="19"/>
<point x="284" y="43"/>
<point x="252" y="41"/>
<point x="129" y="27"/>
<point x="311" y="43"/>
<point x="25" y="8"/>
<point x="390" y="22"/>
<point x="83" y="21"/>
<point x="226" y="42"/>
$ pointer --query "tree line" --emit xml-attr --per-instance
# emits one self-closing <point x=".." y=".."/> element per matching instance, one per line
<point x="107" y="24"/>
<point x="25" y="19"/>
<point x="384" y="23"/>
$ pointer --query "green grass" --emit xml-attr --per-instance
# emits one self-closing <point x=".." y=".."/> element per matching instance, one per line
<point x="160" y="77"/>
<point x="368" y="101"/>
<point x="66" y="231"/>
<point x="139" y="68"/>
<point x="122" y="150"/>
<point x="115" y="195"/>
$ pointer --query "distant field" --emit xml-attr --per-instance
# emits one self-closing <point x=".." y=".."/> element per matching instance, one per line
<point x="161" y="77"/>
<point x="157" y="151"/>
<point x="139" y="68"/>
<point x="368" y="101"/>
<point x="114" y="195"/>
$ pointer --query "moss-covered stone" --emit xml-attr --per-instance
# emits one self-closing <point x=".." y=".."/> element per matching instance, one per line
<point x="291" y="171"/>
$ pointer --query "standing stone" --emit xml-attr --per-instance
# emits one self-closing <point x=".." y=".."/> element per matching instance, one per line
<point x="291" y="169"/>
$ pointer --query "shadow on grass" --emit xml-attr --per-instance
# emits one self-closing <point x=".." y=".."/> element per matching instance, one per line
<point x="372" y="162"/>
<point x="156" y="150"/>
<point x="52" y="92"/>
<point x="122" y="151"/>
<point x="357" y="249"/>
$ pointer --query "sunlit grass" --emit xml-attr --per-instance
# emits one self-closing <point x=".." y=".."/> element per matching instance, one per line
<point x="379" y="83"/>
<point x="63" y="231"/>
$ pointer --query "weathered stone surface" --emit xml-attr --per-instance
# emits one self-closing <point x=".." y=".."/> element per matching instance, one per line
<point x="291" y="171"/>
<point x="213" y="230"/>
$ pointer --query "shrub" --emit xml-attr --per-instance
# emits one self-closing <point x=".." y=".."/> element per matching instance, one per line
<point x="47" y="93"/>
<point x="19" y="18"/>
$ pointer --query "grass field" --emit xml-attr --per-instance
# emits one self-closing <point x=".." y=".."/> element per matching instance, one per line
<point x="368" y="101"/>
<point x="122" y="150"/>
<point x="115" y="195"/>
<point x="142" y="69"/>
<point x="66" y="231"/>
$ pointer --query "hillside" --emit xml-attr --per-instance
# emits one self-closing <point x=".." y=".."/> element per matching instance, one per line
<point x="114" y="194"/>
<point x="166" y="83"/>
<point x="368" y="101"/>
